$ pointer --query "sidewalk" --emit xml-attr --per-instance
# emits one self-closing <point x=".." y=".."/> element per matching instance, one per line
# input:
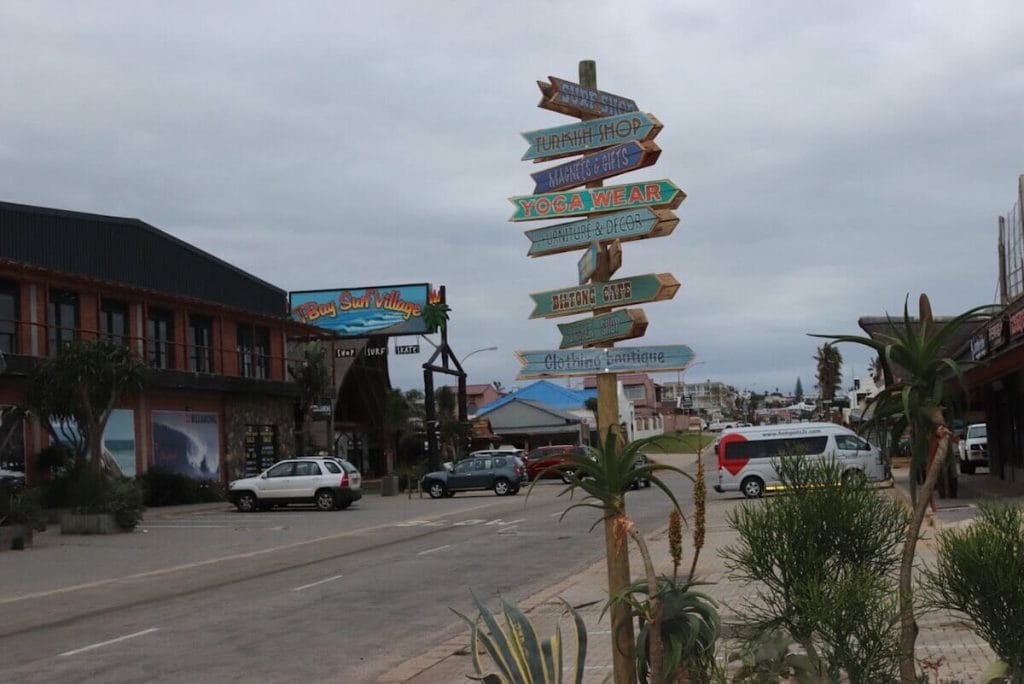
<point x="973" y="490"/>
<point x="944" y="636"/>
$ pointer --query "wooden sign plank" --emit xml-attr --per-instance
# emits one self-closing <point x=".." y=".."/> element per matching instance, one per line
<point x="573" y="99"/>
<point x="659" y="194"/>
<point x="623" y="324"/>
<point x="543" y="363"/>
<point x="586" y="136"/>
<point x="608" y="163"/>
<point x="650" y="287"/>
<point x="632" y="224"/>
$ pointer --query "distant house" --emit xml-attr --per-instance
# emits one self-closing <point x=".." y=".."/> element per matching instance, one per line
<point x="639" y="406"/>
<point x="539" y="414"/>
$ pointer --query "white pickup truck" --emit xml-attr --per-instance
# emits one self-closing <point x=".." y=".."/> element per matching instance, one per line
<point x="974" y="448"/>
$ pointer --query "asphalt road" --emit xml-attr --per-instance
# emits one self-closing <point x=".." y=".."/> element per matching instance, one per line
<point x="287" y="595"/>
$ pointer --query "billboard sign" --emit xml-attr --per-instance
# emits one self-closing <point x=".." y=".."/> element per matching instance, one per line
<point x="365" y="311"/>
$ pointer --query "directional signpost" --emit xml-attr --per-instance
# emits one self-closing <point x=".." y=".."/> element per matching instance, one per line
<point x="579" y="101"/>
<point x="544" y="363"/>
<point x="659" y="194"/>
<point x="624" y="324"/>
<point x="597" y="166"/>
<point x="651" y="287"/>
<point x="585" y="136"/>
<point x="615" y="138"/>
<point x="632" y="224"/>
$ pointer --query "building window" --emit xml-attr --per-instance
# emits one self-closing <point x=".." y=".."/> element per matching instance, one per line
<point x="114" y="320"/>
<point x="253" y="350"/>
<point x="160" y="338"/>
<point x="63" y="319"/>
<point x="8" y="317"/>
<point x="200" y="341"/>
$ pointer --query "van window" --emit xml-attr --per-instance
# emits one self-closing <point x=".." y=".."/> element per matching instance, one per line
<point x="775" y="448"/>
<point x="851" y="443"/>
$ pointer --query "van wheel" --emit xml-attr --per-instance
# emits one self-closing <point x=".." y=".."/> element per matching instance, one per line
<point x="752" y="487"/>
<point x="854" y="478"/>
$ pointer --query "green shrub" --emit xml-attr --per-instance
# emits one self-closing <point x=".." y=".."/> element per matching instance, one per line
<point x="165" y="488"/>
<point x="22" y="506"/>
<point x="979" y="572"/>
<point x="825" y="556"/>
<point x="95" y="492"/>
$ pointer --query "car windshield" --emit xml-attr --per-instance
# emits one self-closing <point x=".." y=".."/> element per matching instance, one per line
<point x="976" y="431"/>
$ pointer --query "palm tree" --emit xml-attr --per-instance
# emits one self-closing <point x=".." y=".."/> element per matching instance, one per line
<point x="312" y="373"/>
<point x="829" y="372"/>
<point x="915" y="399"/>
<point x="394" y="424"/>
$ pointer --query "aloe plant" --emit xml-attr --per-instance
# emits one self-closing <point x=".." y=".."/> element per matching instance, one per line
<point x="518" y="655"/>
<point x="604" y="475"/>
<point x="915" y="361"/>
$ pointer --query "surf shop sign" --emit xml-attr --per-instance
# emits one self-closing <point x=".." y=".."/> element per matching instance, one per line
<point x="364" y="311"/>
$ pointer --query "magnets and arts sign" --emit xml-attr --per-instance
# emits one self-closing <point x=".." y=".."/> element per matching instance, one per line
<point x="361" y="312"/>
<point x="187" y="443"/>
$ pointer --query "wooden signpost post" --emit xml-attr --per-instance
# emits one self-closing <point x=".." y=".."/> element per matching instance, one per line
<point x="615" y="138"/>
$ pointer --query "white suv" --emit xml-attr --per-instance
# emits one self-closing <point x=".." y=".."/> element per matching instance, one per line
<point x="974" y="448"/>
<point x="327" y="482"/>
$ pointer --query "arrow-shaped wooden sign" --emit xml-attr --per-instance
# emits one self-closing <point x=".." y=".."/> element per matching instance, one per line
<point x="661" y="194"/>
<point x="650" y="287"/>
<point x="541" y="363"/>
<point x="579" y="101"/>
<point x="585" y="136"/>
<point x="590" y="260"/>
<point x="607" y="163"/>
<point x="624" y="324"/>
<point x="632" y="224"/>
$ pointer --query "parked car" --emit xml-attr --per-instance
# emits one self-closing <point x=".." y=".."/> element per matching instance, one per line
<point x="501" y="472"/>
<point x="551" y="461"/>
<point x="327" y="482"/>
<point x="974" y="448"/>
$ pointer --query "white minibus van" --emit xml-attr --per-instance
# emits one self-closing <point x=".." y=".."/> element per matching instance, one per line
<point x="747" y="457"/>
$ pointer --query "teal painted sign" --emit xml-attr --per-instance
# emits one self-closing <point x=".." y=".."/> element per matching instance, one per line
<point x="632" y="224"/>
<point x="559" y="363"/>
<point x="579" y="101"/>
<point x="614" y="161"/>
<point x="656" y="194"/>
<point x="588" y="263"/>
<point x="651" y="287"/>
<point x="577" y="138"/>
<point x="624" y="324"/>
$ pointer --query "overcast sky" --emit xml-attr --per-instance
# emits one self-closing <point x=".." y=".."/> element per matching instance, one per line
<point x="835" y="160"/>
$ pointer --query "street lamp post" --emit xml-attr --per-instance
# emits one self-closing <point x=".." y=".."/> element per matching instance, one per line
<point x="476" y="351"/>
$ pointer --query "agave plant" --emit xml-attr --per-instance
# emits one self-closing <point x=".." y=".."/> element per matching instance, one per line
<point x="603" y="475"/>
<point x="517" y="654"/>
<point x="916" y="400"/>
<point x="689" y="626"/>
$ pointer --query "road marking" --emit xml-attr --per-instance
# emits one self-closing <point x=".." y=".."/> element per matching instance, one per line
<point x="149" y="574"/>
<point x="313" y="584"/>
<point x="110" y="641"/>
<point x="439" y="548"/>
<point x="158" y="526"/>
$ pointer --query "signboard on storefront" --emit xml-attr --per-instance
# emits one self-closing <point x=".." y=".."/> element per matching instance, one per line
<point x="364" y="311"/>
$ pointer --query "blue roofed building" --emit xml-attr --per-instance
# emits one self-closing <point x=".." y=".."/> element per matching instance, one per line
<point x="541" y="413"/>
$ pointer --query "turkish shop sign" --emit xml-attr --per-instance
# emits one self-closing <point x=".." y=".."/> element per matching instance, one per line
<point x="365" y="311"/>
<point x="586" y="136"/>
